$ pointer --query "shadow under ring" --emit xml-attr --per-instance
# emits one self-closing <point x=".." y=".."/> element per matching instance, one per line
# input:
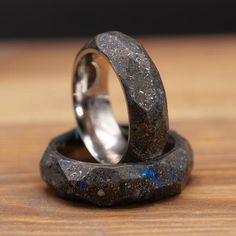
<point x="106" y="185"/>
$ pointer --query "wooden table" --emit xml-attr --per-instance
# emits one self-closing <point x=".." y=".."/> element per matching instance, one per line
<point x="199" y="74"/>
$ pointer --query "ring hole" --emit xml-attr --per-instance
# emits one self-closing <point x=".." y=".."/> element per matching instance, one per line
<point x="75" y="149"/>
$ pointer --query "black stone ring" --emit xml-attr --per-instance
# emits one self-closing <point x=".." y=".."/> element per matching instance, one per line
<point x="105" y="185"/>
<point x="144" y="93"/>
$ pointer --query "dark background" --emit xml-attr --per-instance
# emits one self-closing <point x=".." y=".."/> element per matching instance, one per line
<point x="73" y="18"/>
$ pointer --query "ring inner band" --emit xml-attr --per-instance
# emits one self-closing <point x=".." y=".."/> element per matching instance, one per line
<point x="98" y="127"/>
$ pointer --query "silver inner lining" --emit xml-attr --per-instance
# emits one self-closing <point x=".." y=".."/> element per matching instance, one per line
<point x="98" y="127"/>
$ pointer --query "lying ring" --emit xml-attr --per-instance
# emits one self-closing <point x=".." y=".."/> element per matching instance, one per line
<point x="106" y="185"/>
<point x="144" y="93"/>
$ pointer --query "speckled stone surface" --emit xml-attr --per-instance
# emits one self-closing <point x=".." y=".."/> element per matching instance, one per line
<point x="144" y="91"/>
<point x="106" y="185"/>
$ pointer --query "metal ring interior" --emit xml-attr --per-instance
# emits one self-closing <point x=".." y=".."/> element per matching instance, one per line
<point x="106" y="185"/>
<point x="98" y="126"/>
<point x="144" y="93"/>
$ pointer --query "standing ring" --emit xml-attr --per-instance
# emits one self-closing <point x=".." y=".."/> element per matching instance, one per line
<point x="144" y="93"/>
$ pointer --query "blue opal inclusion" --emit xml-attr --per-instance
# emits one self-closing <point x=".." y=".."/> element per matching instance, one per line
<point x="68" y="161"/>
<point x="82" y="185"/>
<point x="151" y="173"/>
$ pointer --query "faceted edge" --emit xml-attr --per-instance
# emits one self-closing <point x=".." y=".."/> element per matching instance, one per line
<point x="107" y="185"/>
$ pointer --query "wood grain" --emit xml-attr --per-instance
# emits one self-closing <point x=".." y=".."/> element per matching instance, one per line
<point x="199" y="77"/>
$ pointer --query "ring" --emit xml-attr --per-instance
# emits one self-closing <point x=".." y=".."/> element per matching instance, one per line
<point x="144" y="93"/>
<point x="106" y="185"/>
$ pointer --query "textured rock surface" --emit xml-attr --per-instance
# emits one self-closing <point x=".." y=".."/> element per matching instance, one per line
<point x="144" y="91"/>
<point x="105" y="185"/>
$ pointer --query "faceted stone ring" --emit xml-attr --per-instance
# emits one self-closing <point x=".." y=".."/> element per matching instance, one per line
<point x="144" y="94"/>
<point x="105" y="185"/>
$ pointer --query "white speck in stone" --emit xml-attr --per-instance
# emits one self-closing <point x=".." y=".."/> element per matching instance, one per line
<point x="101" y="193"/>
<point x="141" y="91"/>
